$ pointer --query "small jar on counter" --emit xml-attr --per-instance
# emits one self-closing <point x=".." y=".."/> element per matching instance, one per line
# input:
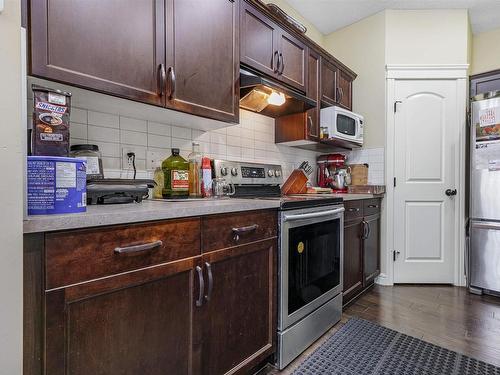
<point x="92" y="157"/>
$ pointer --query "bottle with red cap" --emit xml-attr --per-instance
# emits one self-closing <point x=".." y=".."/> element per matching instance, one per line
<point x="206" y="181"/>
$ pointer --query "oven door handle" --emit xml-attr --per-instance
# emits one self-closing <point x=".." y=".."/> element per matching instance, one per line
<point x="314" y="215"/>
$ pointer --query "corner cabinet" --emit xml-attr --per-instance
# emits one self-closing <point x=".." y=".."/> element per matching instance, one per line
<point x="361" y="247"/>
<point x="147" y="51"/>
<point x="166" y="297"/>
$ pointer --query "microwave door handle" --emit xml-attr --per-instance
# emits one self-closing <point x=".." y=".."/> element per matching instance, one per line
<point x="314" y="215"/>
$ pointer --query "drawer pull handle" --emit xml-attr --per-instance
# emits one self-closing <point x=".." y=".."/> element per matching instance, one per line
<point x="138" y="248"/>
<point x="373" y="206"/>
<point x="243" y="230"/>
<point x="353" y="209"/>
<point x="210" y="281"/>
<point x="199" y="301"/>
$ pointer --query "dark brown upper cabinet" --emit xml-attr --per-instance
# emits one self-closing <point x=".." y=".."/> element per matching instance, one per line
<point x="292" y="63"/>
<point x="269" y="49"/>
<point x="182" y="54"/>
<point x="115" y="47"/>
<point x="202" y="65"/>
<point x="344" y="90"/>
<point x="258" y="40"/>
<point x="329" y="75"/>
<point x="303" y="126"/>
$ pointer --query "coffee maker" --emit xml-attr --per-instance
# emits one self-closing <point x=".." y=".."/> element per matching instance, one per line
<point x="333" y="172"/>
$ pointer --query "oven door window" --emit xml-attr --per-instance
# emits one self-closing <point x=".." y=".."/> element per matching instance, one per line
<point x="346" y="125"/>
<point x="314" y="262"/>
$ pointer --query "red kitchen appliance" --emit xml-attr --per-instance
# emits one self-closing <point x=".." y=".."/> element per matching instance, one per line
<point x="333" y="172"/>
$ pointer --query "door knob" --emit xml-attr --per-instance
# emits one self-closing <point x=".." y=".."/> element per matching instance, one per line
<point x="450" y="192"/>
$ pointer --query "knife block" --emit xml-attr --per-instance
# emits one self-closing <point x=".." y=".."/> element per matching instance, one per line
<point x="296" y="183"/>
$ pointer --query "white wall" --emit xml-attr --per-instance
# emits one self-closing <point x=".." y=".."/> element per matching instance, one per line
<point x="426" y="36"/>
<point x="11" y="190"/>
<point x="486" y="51"/>
<point x="361" y="46"/>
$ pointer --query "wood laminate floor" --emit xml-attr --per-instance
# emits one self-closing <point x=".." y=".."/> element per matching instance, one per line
<point x="443" y="315"/>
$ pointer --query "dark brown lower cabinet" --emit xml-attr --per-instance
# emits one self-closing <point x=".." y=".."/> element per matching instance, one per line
<point x="361" y="247"/>
<point x="371" y="250"/>
<point x="353" y="259"/>
<point x="237" y="319"/>
<point x="138" y="323"/>
<point x="198" y="311"/>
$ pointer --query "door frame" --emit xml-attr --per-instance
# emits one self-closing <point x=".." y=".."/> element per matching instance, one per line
<point x="454" y="72"/>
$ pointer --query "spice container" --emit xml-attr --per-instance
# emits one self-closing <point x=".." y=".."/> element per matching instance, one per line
<point x="92" y="157"/>
<point x="176" y="174"/>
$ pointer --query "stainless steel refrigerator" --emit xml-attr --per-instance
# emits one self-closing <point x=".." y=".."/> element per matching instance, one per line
<point x="484" y="212"/>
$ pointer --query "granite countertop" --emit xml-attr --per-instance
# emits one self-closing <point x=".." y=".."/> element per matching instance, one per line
<point x="150" y="210"/>
<point x="147" y="210"/>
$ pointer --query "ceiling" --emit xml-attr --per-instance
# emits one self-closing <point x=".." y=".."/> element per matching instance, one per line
<point x="331" y="15"/>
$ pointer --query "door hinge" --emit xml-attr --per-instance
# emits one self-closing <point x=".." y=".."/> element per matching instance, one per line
<point x="396" y="105"/>
<point x="394" y="181"/>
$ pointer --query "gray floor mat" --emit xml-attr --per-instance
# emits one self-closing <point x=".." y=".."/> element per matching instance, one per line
<point x="361" y="347"/>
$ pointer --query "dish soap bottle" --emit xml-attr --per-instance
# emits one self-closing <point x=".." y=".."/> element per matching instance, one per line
<point x="194" y="159"/>
<point x="176" y="176"/>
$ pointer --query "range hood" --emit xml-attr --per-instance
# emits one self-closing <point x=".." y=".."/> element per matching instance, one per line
<point x="257" y="92"/>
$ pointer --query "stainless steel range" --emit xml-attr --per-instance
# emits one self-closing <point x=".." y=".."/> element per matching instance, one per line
<point x="310" y="255"/>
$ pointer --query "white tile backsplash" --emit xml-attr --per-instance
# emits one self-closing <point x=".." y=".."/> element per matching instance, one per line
<point x="127" y="123"/>
<point x="103" y="119"/>
<point x="374" y="157"/>
<point x="116" y="133"/>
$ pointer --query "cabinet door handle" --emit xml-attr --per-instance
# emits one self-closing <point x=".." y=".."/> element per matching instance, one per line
<point x="210" y="281"/>
<point x="373" y="206"/>
<point x="341" y="94"/>
<point x="364" y="235"/>
<point x="353" y="209"/>
<point x="276" y="57"/>
<point x="138" y="248"/>
<point x="171" y="74"/>
<point x="162" y="77"/>
<point x="282" y="63"/>
<point x="368" y="230"/>
<point x="243" y="230"/>
<point x="199" y="301"/>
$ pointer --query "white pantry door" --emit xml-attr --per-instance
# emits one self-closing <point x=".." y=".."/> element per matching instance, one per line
<point x="426" y="164"/>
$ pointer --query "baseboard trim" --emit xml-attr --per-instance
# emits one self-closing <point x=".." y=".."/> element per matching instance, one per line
<point x="383" y="279"/>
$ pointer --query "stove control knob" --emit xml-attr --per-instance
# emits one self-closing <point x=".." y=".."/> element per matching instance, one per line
<point x="270" y="173"/>
<point x="277" y="173"/>
<point x="234" y="171"/>
<point x="223" y="171"/>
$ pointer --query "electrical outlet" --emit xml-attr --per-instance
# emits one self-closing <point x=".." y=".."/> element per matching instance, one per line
<point x="139" y="155"/>
<point x="155" y="158"/>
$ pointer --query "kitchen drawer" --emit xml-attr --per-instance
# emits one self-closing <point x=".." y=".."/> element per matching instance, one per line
<point x="77" y="256"/>
<point x="371" y="206"/>
<point x="353" y="209"/>
<point x="221" y="231"/>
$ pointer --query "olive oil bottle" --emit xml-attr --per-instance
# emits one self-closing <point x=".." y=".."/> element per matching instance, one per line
<point x="176" y="176"/>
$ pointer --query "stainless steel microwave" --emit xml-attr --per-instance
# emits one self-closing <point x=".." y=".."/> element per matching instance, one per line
<point x="342" y="125"/>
